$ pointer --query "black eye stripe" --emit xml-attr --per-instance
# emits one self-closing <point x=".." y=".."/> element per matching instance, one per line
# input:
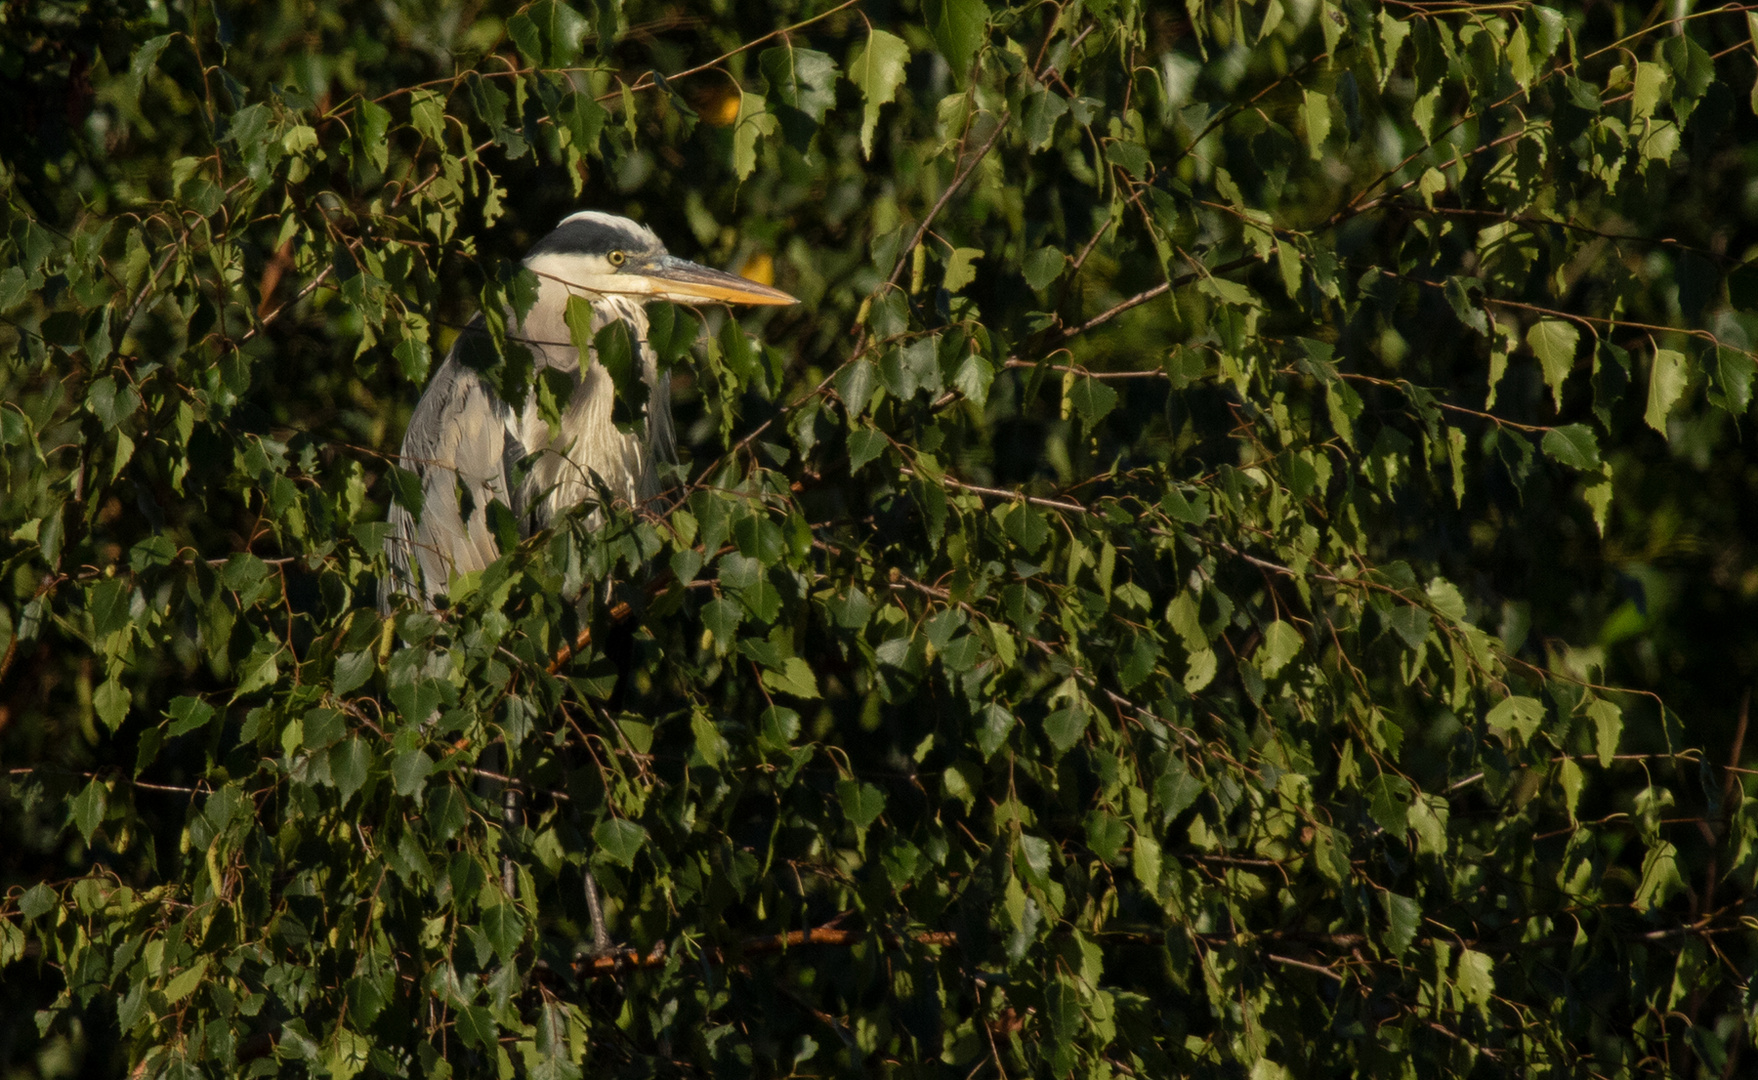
<point x="588" y="237"/>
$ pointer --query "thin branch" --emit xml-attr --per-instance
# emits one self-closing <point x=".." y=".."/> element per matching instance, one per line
<point x="1535" y="429"/>
<point x="142" y="784"/>
<point x="1002" y="493"/>
<point x="648" y="82"/>
<point x="946" y="196"/>
<point x="625" y="959"/>
<point x="1318" y="968"/>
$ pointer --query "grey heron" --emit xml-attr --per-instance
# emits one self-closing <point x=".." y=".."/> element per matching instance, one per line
<point x="464" y="441"/>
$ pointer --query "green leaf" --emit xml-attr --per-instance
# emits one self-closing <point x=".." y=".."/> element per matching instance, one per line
<point x="1203" y="666"/>
<point x="973" y="378"/>
<point x="962" y="653"/>
<point x="1520" y="715"/>
<point x="153" y="553"/>
<point x="188" y="714"/>
<point x="260" y="669"/>
<point x="613" y="349"/>
<point x="746" y="577"/>
<point x="352" y="671"/>
<point x="141" y="65"/>
<point x="794" y="677"/>
<point x="1733" y="377"/>
<point x="37" y="901"/>
<point x="1475" y="978"/>
<point x="1106" y="834"/>
<point x="1457" y="292"/>
<point x="374" y="122"/>
<point x="349" y="761"/>
<point x="1573" y="445"/>
<point x="1064" y="728"/>
<point x="854" y="385"/>
<point x="322" y="728"/>
<point x="877" y="71"/>
<point x="907" y="369"/>
<point x="1660" y="877"/>
<point x="1388" y="802"/>
<point x="111" y="402"/>
<point x="1025" y="526"/>
<point x="995" y="723"/>
<point x="1092" y="399"/>
<point x="409" y="772"/>
<point x="112" y="702"/>
<point x="800" y="79"/>
<point x="1598" y="496"/>
<point x="523" y="31"/>
<point x="1608" y="726"/>
<point x="88" y="808"/>
<point x="1553" y="341"/>
<point x="491" y="104"/>
<point x="1432" y="183"/>
<point x="13" y="288"/>
<point x="426" y="114"/>
<point x="961" y="268"/>
<point x="620" y="839"/>
<point x="640" y="735"/>
<point x="862" y="803"/>
<point x="1692" y="70"/>
<point x="1043" y="108"/>
<point x="780" y="726"/>
<point x="1145" y="861"/>
<point x="186" y="981"/>
<point x="505" y="930"/>
<point x="1650" y="80"/>
<point x="709" y="742"/>
<point x="1569" y="778"/>
<point x="1043" y="266"/>
<point x="1409" y="622"/>
<point x="1403" y="920"/>
<point x="851" y="609"/>
<point x="1131" y="156"/>
<point x="406" y="490"/>
<point x="1315" y="111"/>
<point x="754" y="122"/>
<point x="1428" y="820"/>
<point x="349" y="1052"/>
<point x="1667" y="378"/>
<point x="958" y="27"/>
<point x="1281" y="644"/>
<point x="722" y="618"/>
<point x="1192" y="509"/>
<point x="864" y="444"/>
<point x="1343" y="405"/>
<point x="476" y="1027"/>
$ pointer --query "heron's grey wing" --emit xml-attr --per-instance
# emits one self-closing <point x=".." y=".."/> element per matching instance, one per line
<point x="457" y="445"/>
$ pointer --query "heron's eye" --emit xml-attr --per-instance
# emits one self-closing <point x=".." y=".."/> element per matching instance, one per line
<point x="617" y="258"/>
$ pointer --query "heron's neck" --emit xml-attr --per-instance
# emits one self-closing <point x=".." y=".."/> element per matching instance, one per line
<point x="611" y="307"/>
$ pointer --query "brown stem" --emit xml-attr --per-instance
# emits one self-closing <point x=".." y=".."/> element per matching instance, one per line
<point x="946" y="196"/>
<point x="626" y="959"/>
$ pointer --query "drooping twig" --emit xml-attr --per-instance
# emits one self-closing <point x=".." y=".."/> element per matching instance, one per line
<point x="629" y="959"/>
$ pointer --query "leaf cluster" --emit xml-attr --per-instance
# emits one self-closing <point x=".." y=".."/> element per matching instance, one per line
<point x="1202" y="585"/>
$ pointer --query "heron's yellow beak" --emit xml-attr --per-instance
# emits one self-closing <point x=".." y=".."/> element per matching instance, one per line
<point x="685" y="282"/>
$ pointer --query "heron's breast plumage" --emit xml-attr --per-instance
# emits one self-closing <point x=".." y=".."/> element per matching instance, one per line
<point x="465" y="443"/>
<point x="587" y="449"/>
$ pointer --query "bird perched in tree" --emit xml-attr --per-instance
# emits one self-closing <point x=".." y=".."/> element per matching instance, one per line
<point x="466" y="443"/>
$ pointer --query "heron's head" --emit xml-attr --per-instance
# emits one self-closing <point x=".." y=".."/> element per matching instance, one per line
<point x="601" y="253"/>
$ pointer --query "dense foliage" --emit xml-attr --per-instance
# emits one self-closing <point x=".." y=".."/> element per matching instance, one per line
<point x="1239" y="564"/>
